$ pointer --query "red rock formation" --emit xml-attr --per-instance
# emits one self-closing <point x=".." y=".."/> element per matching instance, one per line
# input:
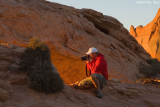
<point x="70" y="32"/>
<point x="149" y="36"/>
<point x="15" y="91"/>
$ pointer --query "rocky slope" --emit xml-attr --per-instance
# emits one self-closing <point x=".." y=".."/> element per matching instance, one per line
<point x="15" y="91"/>
<point x="149" y="36"/>
<point x="69" y="32"/>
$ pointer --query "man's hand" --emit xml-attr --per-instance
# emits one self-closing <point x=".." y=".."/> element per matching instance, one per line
<point x="88" y="60"/>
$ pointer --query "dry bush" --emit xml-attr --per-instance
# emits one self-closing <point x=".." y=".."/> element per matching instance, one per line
<point x="150" y="71"/>
<point x="37" y="63"/>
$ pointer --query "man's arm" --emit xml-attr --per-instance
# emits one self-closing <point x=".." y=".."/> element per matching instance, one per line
<point x="88" y="63"/>
<point x="98" y="65"/>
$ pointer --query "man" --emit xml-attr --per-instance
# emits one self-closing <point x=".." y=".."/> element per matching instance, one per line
<point x="97" y="64"/>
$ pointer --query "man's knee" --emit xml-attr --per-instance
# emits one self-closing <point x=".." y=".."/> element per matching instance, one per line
<point x="94" y="76"/>
<point x="86" y="83"/>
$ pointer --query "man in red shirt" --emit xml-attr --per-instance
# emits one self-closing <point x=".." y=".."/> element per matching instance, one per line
<point x="97" y="65"/>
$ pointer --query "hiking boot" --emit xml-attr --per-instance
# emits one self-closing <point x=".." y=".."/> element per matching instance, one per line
<point x="75" y="85"/>
<point x="99" y="94"/>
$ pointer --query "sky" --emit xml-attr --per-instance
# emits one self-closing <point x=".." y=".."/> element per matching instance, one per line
<point x="128" y="12"/>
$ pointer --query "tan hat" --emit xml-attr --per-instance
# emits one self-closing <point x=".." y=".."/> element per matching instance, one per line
<point x="91" y="50"/>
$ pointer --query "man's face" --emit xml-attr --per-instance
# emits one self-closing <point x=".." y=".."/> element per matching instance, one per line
<point x="93" y="55"/>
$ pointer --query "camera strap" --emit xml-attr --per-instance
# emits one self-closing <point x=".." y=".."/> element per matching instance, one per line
<point x="87" y="72"/>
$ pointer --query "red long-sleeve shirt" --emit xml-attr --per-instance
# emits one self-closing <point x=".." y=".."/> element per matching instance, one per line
<point x="98" y="65"/>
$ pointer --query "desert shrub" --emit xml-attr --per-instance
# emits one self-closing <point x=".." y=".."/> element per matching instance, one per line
<point x="152" y="70"/>
<point x="152" y="61"/>
<point x="37" y="63"/>
<point x="145" y="70"/>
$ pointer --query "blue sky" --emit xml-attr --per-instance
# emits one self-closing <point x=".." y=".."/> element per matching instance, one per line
<point x="128" y="12"/>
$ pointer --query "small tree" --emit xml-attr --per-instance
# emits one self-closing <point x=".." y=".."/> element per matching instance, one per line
<point x="150" y="71"/>
<point x="36" y="62"/>
<point x="145" y="70"/>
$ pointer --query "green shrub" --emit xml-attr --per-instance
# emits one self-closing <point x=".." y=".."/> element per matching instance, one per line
<point x="36" y="62"/>
<point x="145" y="70"/>
<point x="152" y="70"/>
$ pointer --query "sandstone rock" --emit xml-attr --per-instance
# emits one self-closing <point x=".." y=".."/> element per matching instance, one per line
<point x="4" y="65"/>
<point x="6" y="86"/>
<point x="132" y="31"/>
<point x="9" y="69"/>
<point x="113" y="94"/>
<point x="70" y="32"/>
<point x="3" y="75"/>
<point x="19" y="50"/>
<point x="5" y="90"/>
<point x="115" y="80"/>
<point x="19" y="79"/>
<point x="148" y="36"/>
<point x="4" y="95"/>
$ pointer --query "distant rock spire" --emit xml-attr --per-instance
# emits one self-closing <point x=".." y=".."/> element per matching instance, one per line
<point x="149" y="36"/>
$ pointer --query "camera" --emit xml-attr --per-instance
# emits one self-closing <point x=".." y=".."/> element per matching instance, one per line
<point x="86" y="57"/>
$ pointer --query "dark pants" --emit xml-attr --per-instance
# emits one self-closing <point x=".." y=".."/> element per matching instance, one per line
<point x="95" y="80"/>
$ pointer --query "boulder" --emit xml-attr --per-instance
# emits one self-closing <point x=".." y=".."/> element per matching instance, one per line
<point x="149" y="36"/>
<point x="69" y="33"/>
<point x="4" y="95"/>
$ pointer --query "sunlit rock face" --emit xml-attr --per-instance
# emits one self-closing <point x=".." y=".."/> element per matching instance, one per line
<point x="149" y="36"/>
<point x="70" y="32"/>
<point x="15" y="90"/>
